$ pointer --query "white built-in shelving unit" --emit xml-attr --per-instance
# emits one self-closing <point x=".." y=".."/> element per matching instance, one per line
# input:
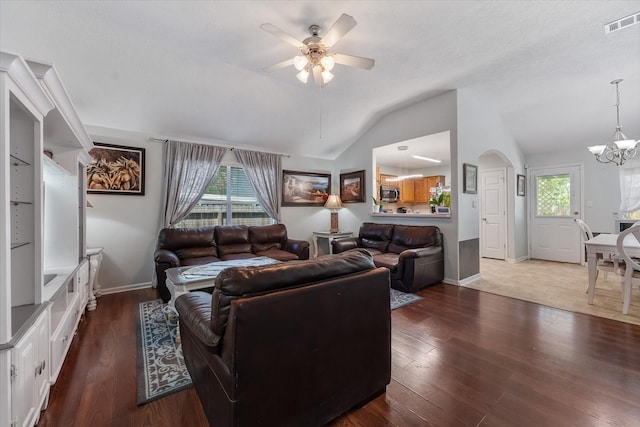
<point x="44" y="273"/>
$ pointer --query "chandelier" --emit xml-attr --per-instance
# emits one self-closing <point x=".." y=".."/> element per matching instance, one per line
<point x="314" y="58"/>
<point x="621" y="148"/>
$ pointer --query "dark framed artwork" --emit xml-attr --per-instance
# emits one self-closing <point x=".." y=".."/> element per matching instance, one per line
<point x="469" y="178"/>
<point x="305" y="188"/>
<point x="116" y="169"/>
<point x="352" y="189"/>
<point x="520" y="184"/>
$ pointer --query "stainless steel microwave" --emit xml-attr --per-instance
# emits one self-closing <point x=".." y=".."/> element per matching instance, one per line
<point x="389" y="193"/>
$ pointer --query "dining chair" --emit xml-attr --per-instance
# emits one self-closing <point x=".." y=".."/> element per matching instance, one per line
<point x="630" y="271"/>
<point x="605" y="265"/>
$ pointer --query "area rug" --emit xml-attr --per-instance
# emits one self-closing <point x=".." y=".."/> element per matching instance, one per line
<point x="160" y="365"/>
<point x="398" y="299"/>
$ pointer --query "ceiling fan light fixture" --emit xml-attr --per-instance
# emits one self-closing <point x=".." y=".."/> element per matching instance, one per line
<point x="327" y="76"/>
<point x="300" y="61"/>
<point x="328" y="62"/>
<point x="303" y="75"/>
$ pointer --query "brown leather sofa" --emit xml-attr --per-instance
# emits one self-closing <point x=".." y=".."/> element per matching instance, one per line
<point x="413" y="253"/>
<point x="292" y="344"/>
<point x="196" y="246"/>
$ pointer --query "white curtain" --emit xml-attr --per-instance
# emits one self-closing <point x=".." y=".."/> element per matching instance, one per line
<point x="629" y="188"/>
<point x="264" y="172"/>
<point x="188" y="170"/>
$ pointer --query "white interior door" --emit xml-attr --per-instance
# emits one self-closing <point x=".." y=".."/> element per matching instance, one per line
<point x="493" y="214"/>
<point x="555" y="202"/>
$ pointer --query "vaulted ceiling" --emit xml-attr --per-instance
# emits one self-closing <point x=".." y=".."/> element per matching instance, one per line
<point x="193" y="70"/>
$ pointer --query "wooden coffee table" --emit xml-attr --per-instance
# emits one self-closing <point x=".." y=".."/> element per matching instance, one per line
<point x="181" y="280"/>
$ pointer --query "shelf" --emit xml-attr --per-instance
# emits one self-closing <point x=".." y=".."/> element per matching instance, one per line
<point x="19" y="202"/>
<point x="15" y="161"/>
<point x="15" y="245"/>
<point x="53" y="167"/>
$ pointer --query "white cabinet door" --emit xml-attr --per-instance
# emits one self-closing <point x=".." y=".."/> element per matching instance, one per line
<point x="30" y="388"/>
<point x="23" y="394"/>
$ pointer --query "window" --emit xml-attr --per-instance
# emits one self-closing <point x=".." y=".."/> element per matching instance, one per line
<point x="228" y="200"/>
<point x="554" y="195"/>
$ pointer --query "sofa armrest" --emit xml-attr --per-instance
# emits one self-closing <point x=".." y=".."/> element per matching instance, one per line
<point x="194" y="309"/>
<point x="298" y="247"/>
<point x="344" y="244"/>
<point x="420" y="253"/>
<point x="167" y="257"/>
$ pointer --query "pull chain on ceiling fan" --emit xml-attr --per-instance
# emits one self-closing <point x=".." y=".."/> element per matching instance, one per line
<point x="315" y="57"/>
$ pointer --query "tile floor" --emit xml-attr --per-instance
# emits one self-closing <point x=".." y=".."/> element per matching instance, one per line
<point x="558" y="285"/>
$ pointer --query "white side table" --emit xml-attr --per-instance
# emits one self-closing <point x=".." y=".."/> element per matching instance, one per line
<point x="330" y="238"/>
<point x="95" y="259"/>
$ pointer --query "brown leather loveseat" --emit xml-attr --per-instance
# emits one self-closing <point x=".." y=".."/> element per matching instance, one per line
<point x="178" y="247"/>
<point x="291" y="344"/>
<point x="413" y="253"/>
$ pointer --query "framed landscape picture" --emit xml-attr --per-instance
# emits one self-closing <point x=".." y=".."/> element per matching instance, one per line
<point x="352" y="188"/>
<point x="305" y="188"/>
<point x="116" y="169"/>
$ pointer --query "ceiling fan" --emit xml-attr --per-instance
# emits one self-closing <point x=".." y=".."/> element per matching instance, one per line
<point x="315" y="57"/>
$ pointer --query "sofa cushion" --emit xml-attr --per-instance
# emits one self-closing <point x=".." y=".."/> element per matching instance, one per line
<point x="375" y="236"/>
<point x="232" y="239"/>
<point x="178" y="238"/>
<point x="266" y="237"/>
<point x="196" y="252"/>
<point x="413" y="236"/>
<point x="388" y="260"/>
<point x="278" y="254"/>
<point x="233" y="283"/>
<point x="200" y="260"/>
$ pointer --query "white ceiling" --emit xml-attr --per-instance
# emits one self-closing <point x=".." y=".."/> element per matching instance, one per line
<point x="192" y="70"/>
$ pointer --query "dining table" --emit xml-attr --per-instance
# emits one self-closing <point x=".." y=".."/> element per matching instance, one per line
<point x="605" y="244"/>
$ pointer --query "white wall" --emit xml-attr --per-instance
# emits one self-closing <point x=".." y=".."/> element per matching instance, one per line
<point x="127" y="226"/>
<point x="480" y="129"/>
<point x="433" y="115"/>
<point x="601" y="185"/>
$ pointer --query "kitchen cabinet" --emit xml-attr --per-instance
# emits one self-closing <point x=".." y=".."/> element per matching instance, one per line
<point x="407" y="189"/>
<point x="421" y="190"/>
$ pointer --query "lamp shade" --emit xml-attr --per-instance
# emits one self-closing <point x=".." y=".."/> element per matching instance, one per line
<point x="333" y="202"/>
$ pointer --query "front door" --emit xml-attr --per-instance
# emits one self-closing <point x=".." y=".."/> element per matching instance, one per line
<point x="492" y="214"/>
<point x="555" y="203"/>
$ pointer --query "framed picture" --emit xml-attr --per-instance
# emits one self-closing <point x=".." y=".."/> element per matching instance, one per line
<point x="469" y="178"/>
<point x="116" y="170"/>
<point x="304" y="188"/>
<point x="352" y="188"/>
<point x="520" y="184"/>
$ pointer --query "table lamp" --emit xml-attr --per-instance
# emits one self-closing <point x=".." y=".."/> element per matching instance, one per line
<point x="334" y="203"/>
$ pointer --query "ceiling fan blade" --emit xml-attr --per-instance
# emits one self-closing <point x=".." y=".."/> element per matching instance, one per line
<point x="279" y="65"/>
<point x="317" y="77"/>
<point x="273" y="30"/>
<point x="354" y="61"/>
<point x="342" y="26"/>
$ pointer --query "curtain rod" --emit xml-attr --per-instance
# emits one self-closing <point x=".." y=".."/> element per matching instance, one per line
<point x="225" y="146"/>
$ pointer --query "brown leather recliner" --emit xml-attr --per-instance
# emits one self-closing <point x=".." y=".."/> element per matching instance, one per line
<point x="292" y="344"/>
<point x="179" y="247"/>
<point x="413" y="253"/>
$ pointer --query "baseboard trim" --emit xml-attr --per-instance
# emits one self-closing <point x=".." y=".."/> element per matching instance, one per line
<point x="462" y="282"/>
<point x="125" y="288"/>
<point x="517" y="260"/>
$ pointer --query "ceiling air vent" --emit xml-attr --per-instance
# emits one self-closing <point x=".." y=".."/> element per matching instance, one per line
<point x="622" y="23"/>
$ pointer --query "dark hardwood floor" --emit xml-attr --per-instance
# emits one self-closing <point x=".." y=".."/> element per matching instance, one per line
<point x="461" y="357"/>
